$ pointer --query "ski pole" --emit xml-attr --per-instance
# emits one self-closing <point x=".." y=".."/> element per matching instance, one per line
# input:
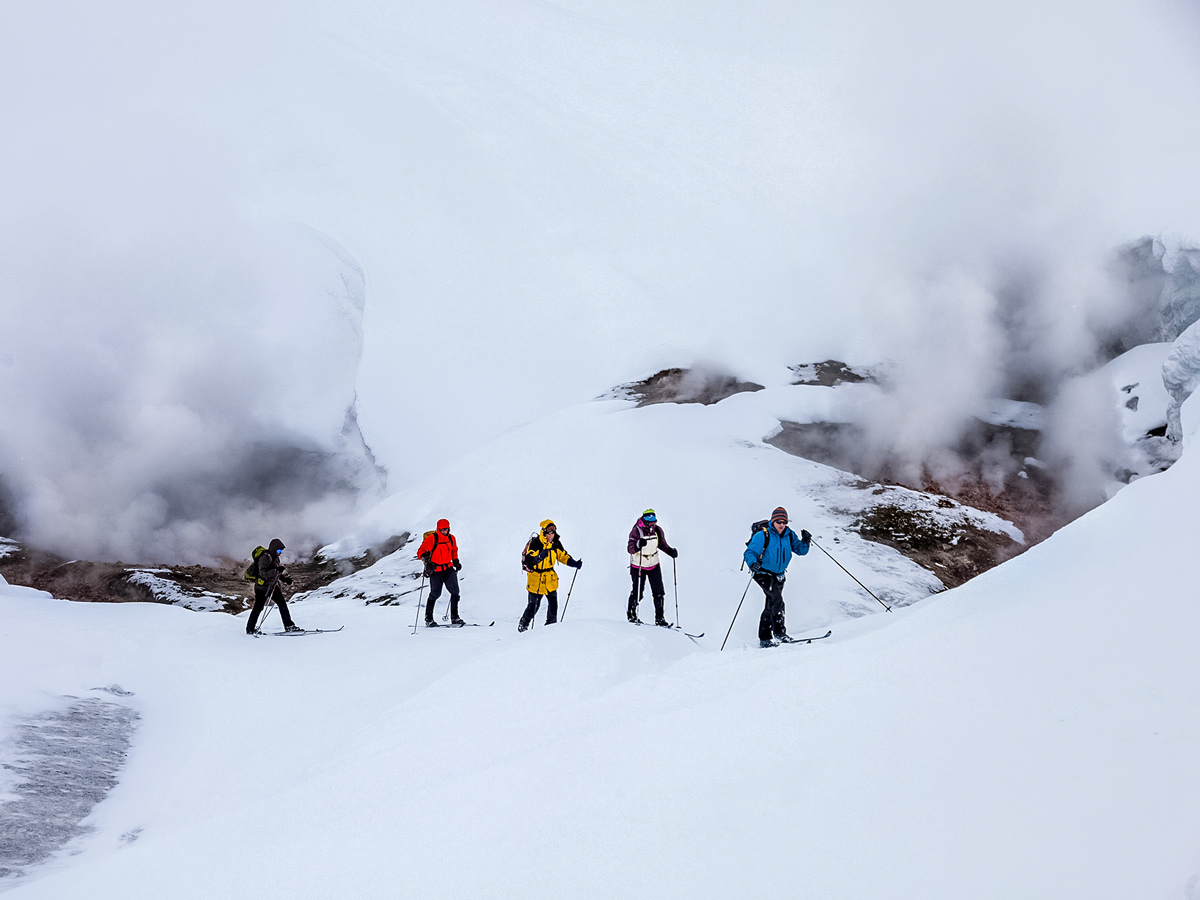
<point x="738" y="610"/>
<point x="417" y="617"/>
<point x="847" y="571"/>
<point x="641" y="577"/>
<point x="270" y="604"/>
<point x="567" y="602"/>
<point x="675" y="579"/>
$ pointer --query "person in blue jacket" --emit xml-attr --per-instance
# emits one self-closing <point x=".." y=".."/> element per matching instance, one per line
<point x="768" y="555"/>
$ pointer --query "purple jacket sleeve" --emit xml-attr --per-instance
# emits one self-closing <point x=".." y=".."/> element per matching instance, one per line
<point x="634" y="536"/>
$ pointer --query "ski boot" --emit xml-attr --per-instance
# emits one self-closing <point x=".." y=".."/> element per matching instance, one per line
<point x="430" y="623"/>
<point x="292" y="629"/>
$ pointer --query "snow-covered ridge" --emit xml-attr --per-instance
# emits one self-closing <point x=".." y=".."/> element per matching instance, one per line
<point x="960" y="724"/>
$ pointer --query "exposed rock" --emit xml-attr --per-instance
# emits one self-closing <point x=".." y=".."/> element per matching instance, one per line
<point x="221" y="589"/>
<point x="954" y="549"/>
<point x="831" y="373"/>
<point x="685" y="386"/>
<point x="348" y="565"/>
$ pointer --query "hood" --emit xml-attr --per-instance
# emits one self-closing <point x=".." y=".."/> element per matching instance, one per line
<point x="276" y="544"/>
<point x="443" y="523"/>
<point x="546" y="522"/>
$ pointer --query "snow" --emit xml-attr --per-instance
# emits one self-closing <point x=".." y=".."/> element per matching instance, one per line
<point x="1014" y="413"/>
<point x="467" y="218"/>
<point x="1032" y="733"/>
<point x="1180" y="374"/>
<point x="167" y="591"/>
<point x="1137" y="376"/>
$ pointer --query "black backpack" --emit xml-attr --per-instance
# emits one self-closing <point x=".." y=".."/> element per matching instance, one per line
<point x="763" y="525"/>
<point x="525" y="551"/>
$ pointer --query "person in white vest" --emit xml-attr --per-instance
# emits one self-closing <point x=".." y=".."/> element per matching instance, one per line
<point x="645" y="540"/>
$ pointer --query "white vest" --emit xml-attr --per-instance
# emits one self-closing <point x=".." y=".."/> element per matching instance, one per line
<point x="647" y="557"/>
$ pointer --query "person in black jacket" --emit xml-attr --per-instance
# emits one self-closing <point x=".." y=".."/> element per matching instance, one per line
<point x="269" y="572"/>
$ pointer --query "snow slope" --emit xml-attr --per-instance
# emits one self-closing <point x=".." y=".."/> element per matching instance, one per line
<point x="1031" y="734"/>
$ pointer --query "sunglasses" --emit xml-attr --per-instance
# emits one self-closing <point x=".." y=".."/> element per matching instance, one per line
<point x="649" y="518"/>
<point x="550" y="530"/>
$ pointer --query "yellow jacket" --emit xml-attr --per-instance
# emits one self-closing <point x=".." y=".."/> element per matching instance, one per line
<point x="540" y="557"/>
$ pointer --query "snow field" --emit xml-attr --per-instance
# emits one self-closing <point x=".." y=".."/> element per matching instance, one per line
<point x="1030" y="734"/>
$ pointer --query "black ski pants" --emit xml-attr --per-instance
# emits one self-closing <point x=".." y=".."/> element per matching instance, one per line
<point x="448" y="579"/>
<point x="531" y="608"/>
<point x="657" y="591"/>
<point x="260" y="600"/>
<point x="771" y="621"/>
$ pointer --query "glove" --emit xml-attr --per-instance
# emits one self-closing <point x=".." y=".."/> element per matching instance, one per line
<point x="755" y="568"/>
<point x="805" y="536"/>
<point x="428" y="571"/>
<point x="671" y="552"/>
<point x="642" y="542"/>
<point x="575" y="563"/>
<point x="457" y="566"/>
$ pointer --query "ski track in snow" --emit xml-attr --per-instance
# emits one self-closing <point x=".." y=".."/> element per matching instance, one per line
<point x="65" y="761"/>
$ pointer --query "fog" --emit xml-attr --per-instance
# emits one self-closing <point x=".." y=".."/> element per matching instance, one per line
<point x="523" y="204"/>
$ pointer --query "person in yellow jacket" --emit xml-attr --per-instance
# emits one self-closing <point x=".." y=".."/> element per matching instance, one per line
<point x="541" y="553"/>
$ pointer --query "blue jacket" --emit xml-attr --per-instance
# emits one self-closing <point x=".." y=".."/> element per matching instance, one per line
<point x="778" y="551"/>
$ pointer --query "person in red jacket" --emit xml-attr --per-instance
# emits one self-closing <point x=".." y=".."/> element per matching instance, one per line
<point x="439" y="550"/>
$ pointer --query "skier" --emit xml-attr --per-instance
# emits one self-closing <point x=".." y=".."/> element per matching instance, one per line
<point x="439" y="550"/>
<point x="541" y="553"/>
<point x="269" y="571"/>
<point x="646" y="538"/>
<point x="768" y="556"/>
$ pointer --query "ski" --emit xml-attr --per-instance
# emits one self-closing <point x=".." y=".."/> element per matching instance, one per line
<point x="670" y="628"/>
<point x="468" y="625"/>
<point x="808" y="640"/>
<point x="298" y="633"/>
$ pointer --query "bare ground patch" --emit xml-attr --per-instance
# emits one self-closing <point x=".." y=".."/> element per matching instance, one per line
<point x="685" y="386"/>
<point x="217" y="588"/>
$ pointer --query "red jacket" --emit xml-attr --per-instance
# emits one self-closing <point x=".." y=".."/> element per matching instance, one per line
<point x="441" y="550"/>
